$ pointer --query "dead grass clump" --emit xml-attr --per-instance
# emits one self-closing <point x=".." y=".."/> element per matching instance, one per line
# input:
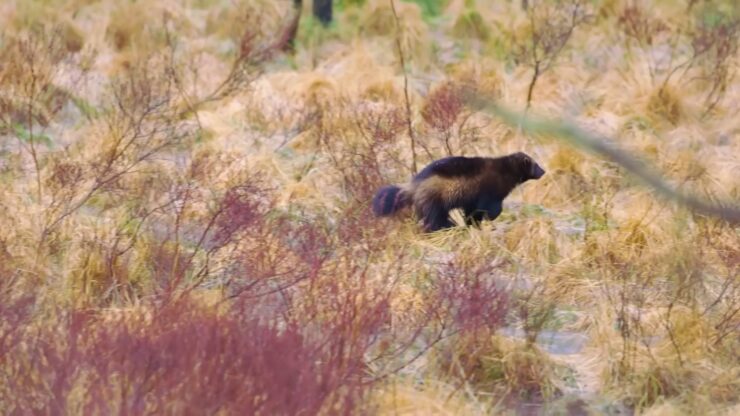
<point x="501" y="366"/>
<point x="665" y="104"/>
<point x="126" y="26"/>
<point x="566" y="160"/>
<point x="319" y="92"/>
<point x="405" y="395"/>
<point x="723" y="388"/>
<point x="89" y="278"/>
<point x="688" y="332"/>
<point x="533" y="239"/>
<point x="34" y="15"/>
<point x="470" y="25"/>
<point x="573" y="177"/>
<point x="378" y="19"/>
<point x="72" y="37"/>
<point x="229" y="20"/>
<point x="633" y="236"/>
<point x="707" y="395"/>
<point x="609" y="8"/>
<point x="485" y="75"/>
<point x="639" y="244"/>
<point x="686" y="166"/>
<point x="381" y="91"/>
<point x="529" y="372"/>
<point x="659" y="383"/>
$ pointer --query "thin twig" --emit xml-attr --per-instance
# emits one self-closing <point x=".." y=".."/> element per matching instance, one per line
<point x="401" y="56"/>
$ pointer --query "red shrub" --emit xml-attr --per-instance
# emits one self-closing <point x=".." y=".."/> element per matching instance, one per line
<point x="181" y="359"/>
<point x="470" y="294"/>
<point x="241" y="207"/>
<point x="15" y="310"/>
<point x="442" y="108"/>
<point x="361" y="140"/>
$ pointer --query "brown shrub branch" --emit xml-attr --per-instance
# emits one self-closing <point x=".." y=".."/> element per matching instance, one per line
<point x="601" y="146"/>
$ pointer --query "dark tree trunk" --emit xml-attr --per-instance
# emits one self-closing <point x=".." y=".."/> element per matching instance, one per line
<point x="322" y="10"/>
<point x="289" y="45"/>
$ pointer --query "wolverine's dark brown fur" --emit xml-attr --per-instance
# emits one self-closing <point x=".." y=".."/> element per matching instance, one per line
<point x="477" y="185"/>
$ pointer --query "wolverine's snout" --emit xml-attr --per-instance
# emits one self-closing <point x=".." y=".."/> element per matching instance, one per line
<point x="537" y="171"/>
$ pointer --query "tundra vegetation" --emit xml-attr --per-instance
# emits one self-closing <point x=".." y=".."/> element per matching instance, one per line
<point x="186" y="228"/>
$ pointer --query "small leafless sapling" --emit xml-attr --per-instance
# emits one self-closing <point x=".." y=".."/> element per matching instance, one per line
<point x="551" y="25"/>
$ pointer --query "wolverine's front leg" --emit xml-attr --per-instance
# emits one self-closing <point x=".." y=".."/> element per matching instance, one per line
<point x="491" y="208"/>
<point x="485" y="208"/>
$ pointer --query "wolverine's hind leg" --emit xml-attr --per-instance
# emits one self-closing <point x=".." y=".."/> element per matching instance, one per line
<point x="434" y="215"/>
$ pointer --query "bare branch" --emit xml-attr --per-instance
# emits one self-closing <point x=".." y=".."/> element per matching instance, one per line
<point x="401" y="56"/>
<point x="577" y="137"/>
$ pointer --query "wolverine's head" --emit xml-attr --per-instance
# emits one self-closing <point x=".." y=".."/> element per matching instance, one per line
<point x="526" y="167"/>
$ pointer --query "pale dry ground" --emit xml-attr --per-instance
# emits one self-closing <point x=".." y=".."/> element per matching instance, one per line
<point x="582" y="238"/>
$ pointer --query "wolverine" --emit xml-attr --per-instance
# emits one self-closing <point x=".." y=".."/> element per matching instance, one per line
<point x="477" y="185"/>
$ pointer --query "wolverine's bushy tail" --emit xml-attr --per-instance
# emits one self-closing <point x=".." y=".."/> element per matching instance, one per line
<point x="390" y="199"/>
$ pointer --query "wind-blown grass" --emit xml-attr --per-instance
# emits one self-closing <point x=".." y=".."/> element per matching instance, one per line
<point x="186" y="223"/>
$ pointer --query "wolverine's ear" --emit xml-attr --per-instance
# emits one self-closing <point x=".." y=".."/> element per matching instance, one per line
<point x="528" y="167"/>
<point x="523" y="160"/>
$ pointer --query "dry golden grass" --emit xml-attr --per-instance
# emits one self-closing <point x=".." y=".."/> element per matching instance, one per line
<point x="645" y="293"/>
